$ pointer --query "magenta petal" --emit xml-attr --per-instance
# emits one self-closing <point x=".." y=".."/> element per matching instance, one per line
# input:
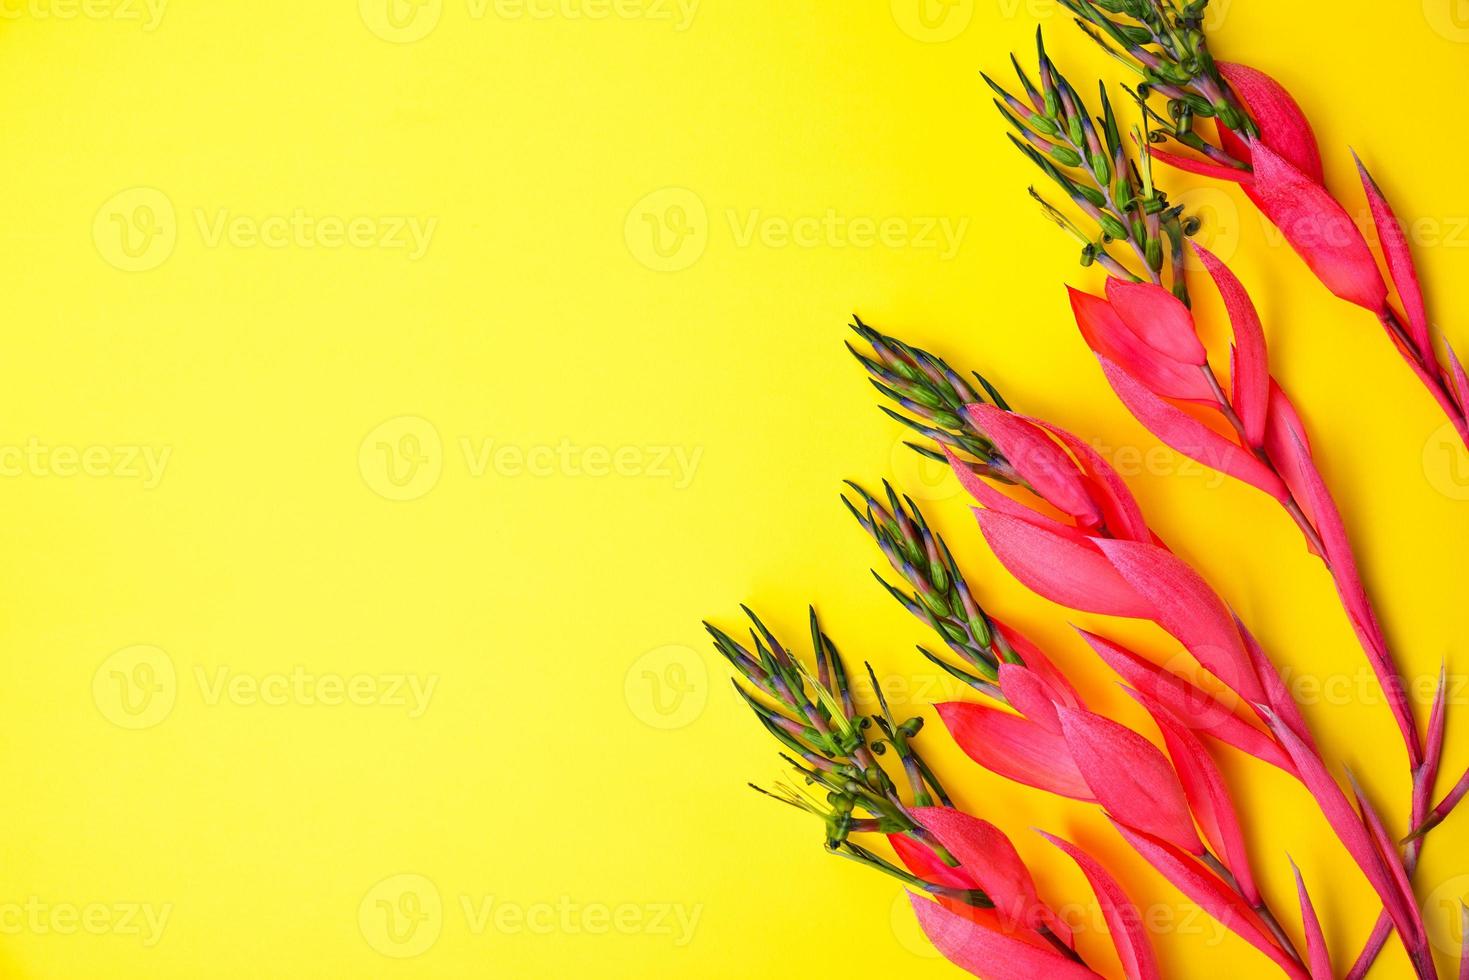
<point x="1015" y="748"/>
<point x="1464" y="941"/>
<point x="924" y="862"/>
<point x="1210" y="894"/>
<point x="1063" y="570"/>
<point x="1037" y="458"/>
<point x="1130" y="777"/>
<point x="1058" y="686"/>
<point x="1392" y="861"/>
<point x="1030" y="696"/>
<point x="993" y="499"/>
<point x="1318" y="228"/>
<point x="1347" y="825"/>
<point x="1120" y="508"/>
<point x="1250" y="378"/>
<point x="1461" y="381"/>
<point x="1193" y="165"/>
<point x="989" y="954"/>
<point x="1400" y="263"/>
<point x="1185" y="606"/>
<point x="1317" y="955"/>
<point x="1190" y="436"/>
<point x="1129" y="936"/>
<point x="1106" y="334"/>
<point x="1159" y="318"/>
<point x="1208" y="796"/>
<point x="1282" y="124"/>
<point x="1191" y="705"/>
<point x="987" y="854"/>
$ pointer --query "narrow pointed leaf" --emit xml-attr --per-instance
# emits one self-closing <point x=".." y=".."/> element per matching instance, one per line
<point x="1191" y="705"/>
<point x="1250" y="378"/>
<point x="1068" y="572"/>
<point x="1015" y="748"/>
<point x="1318" y="957"/>
<point x="1159" y="318"/>
<point x="1188" y="435"/>
<point x="1030" y="696"/>
<point x="1318" y="228"/>
<point x="1400" y="264"/>
<point x="1037" y="458"/>
<point x="1208" y="796"/>
<point x="986" y="854"/>
<point x="1124" y="921"/>
<point x="1195" y="165"/>
<point x="1130" y="777"/>
<point x="1185" y="606"/>
<point x="1107" y="336"/>
<point x="1283" y="126"/>
<point x="1210" y="894"/>
<point x="987" y="953"/>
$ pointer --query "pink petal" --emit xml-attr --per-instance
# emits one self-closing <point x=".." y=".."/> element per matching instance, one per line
<point x="1282" y="124"/>
<point x="924" y="862"/>
<point x="1277" y="696"/>
<point x="1210" y="894"/>
<point x="1057" y="684"/>
<point x="1012" y="747"/>
<point x="1185" y="606"/>
<point x="1392" y="861"/>
<point x="1130" y="777"/>
<point x="1400" y="263"/>
<point x="990" y="954"/>
<point x="1123" y="919"/>
<point x="1036" y="457"/>
<point x="1188" y="435"/>
<point x="1194" y="165"/>
<point x="1191" y="705"/>
<point x="1250" y="377"/>
<point x="1345" y="822"/>
<point x="1318" y="228"/>
<point x="1159" y="318"/>
<point x="1120" y="508"/>
<point x="993" y="499"/>
<point x="1317" y="955"/>
<point x="1109" y="337"/>
<point x="1343" y="567"/>
<point x="989" y="856"/>
<point x="1030" y="696"/>
<point x="1066" y="571"/>
<point x="1208" y="796"/>
<point x="1461" y="381"/>
<point x="1287" y="444"/>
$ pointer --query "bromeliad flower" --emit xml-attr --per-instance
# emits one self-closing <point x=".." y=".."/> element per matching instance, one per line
<point x="1079" y="560"/>
<point x="1264" y="142"/>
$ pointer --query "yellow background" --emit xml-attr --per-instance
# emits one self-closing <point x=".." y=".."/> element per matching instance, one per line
<point x="581" y="750"/>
